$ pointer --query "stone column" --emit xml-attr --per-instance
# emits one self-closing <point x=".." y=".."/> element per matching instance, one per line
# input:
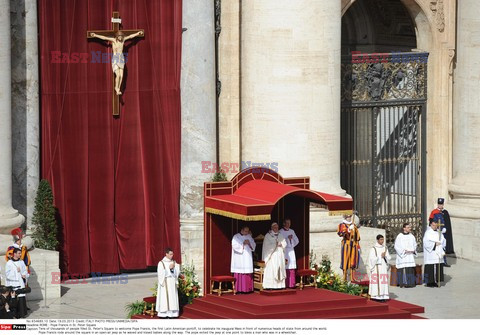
<point x="290" y="90"/>
<point x="290" y="97"/>
<point x="33" y="108"/>
<point x="198" y="123"/>
<point x="25" y="104"/>
<point x="9" y="217"/>
<point x="229" y="100"/>
<point x="465" y="185"/>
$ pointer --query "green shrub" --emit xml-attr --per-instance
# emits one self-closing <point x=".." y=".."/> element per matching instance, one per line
<point x="45" y="224"/>
<point x="219" y="176"/>
<point x="134" y="308"/>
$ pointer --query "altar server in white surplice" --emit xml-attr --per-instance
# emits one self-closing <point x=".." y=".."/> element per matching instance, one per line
<point x="292" y="241"/>
<point x="273" y="254"/>
<point x="241" y="265"/>
<point x="406" y="249"/>
<point x="168" y="270"/>
<point x="16" y="274"/>
<point x="433" y="253"/>
<point x="378" y="270"/>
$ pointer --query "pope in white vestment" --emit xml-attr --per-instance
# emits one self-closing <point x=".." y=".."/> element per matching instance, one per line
<point x="433" y="244"/>
<point x="168" y="270"/>
<point x="378" y="270"/>
<point x="241" y="264"/>
<point x="273" y="254"/>
<point x="406" y="249"/>
<point x="292" y="242"/>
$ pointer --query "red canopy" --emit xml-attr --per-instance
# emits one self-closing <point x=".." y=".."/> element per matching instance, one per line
<point x="252" y="196"/>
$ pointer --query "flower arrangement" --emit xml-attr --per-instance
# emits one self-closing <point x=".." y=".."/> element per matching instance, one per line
<point x="329" y="280"/>
<point x="188" y="286"/>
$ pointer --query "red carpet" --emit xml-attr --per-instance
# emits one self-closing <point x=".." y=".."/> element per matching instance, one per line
<point x="306" y="304"/>
<point x="271" y="293"/>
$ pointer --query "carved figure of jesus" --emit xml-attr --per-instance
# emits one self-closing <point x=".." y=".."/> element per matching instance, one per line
<point x="118" y="59"/>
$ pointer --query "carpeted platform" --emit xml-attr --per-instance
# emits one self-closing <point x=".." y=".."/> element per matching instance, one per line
<point x="306" y="304"/>
<point x="271" y="293"/>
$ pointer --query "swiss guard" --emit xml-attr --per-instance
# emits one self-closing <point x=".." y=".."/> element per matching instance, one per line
<point x="441" y="214"/>
<point x="18" y="235"/>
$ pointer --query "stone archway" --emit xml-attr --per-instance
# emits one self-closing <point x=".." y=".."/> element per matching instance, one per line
<point x="383" y="117"/>
<point x="435" y="31"/>
<point x="373" y="26"/>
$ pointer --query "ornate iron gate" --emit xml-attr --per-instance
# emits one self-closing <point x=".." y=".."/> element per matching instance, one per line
<point x="383" y="139"/>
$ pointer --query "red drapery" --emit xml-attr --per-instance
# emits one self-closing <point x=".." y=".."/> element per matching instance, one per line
<point x="116" y="182"/>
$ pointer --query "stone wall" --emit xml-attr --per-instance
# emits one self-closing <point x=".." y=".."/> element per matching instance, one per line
<point x="43" y="275"/>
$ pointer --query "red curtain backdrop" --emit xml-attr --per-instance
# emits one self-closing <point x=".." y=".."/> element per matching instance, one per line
<point x="116" y="181"/>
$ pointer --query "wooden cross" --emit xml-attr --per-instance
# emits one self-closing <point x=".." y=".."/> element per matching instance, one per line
<point x="111" y="35"/>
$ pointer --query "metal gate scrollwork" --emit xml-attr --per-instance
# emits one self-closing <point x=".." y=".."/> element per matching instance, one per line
<point x="383" y="145"/>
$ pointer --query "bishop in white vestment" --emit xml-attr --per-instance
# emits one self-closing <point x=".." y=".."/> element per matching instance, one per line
<point x="241" y="264"/>
<point x="378" y="270"/>
<point x="292" y="241"/>
<point x="168" y="270"/>
<point x="406" y="249"/>
<point x="273" y="254"/>
<point x="433" y="244"/>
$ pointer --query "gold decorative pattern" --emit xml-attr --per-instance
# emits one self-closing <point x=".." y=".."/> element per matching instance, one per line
<point x="342" y="212"/>
<point x="227" y="214"/>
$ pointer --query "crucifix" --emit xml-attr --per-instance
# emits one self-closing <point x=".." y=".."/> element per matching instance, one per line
<point x="117" y="38"/>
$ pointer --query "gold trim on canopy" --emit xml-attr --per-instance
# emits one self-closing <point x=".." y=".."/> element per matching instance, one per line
<point x="263" y="217"/>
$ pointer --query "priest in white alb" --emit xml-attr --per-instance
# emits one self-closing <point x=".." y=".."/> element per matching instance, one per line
<point x="273" y="254"/>
<point x="433" y="243"/>
<point x="378" y="271"/>
<point x="406" y="249"/>
<point x="241" y="265"/>
<point x="292" y="241"/>
<point x="168" y="270"/>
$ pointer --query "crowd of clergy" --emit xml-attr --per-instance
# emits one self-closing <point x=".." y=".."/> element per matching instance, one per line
<point x="437" y="242"/>
<point x="278" y="255"/>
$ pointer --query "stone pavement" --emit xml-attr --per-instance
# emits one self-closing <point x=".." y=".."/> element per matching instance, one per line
<point x="95" y="300"/>
<point x="458" y="298"/>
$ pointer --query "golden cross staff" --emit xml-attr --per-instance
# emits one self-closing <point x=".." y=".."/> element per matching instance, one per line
<point x="440" y="225"/>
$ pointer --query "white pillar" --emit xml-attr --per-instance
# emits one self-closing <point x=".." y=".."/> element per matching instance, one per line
<point x="465" y="185"/>
<point x="198" y="123"/>
<point x="9" y="217"/>
<point x="290" y="90"/>
<point x="33" y="108"/>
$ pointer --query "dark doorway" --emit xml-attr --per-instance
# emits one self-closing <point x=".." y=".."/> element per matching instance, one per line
<point x="384" y="94"/>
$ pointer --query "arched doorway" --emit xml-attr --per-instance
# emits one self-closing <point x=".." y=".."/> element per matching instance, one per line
<point x="384" y="95"/>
